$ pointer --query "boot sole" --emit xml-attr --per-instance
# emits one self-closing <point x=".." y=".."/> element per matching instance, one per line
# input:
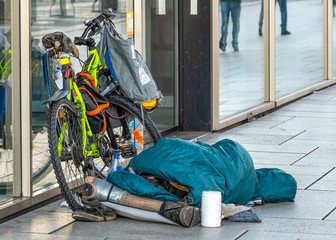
<point x="190" y="216"/>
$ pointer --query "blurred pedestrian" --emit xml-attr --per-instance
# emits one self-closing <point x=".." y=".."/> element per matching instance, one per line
<point x="227" y="7"/>
<point x="283" y="11"/>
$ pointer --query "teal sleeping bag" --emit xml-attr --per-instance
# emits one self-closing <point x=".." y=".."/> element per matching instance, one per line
<point x="276" y="185"/>
<point x="225" y="166"/>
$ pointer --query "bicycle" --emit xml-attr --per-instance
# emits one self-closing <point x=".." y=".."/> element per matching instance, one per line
<point x="76" y="151"/>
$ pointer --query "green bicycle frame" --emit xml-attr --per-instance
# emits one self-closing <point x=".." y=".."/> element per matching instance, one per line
<point x="92" y="65"/>
<point x="5" y="64"/>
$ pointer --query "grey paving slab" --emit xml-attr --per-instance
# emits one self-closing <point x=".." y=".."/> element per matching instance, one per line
<point x="322" y="153"/>
<point x="274" y="158"/>
<point x="328" y="185"/>
<point x="40" y="236"/>
<point x="301" y="208"/>
<point x="123" y="228"/>
<point x="299" y="170"/>
<point x="290" y="226"/>
<point x="263" y="127"/>
<point x="324" y="145"/>
<point x="257" y="235"/>
<point x="321" y="96"/>
<point x="257" y="138"/>
<point x="278" y="148"/>
<point x="54" y="207"/>
<point x="317" y="160"/>
<point x="328" y="182"/>
<point x="36" y="222"/>
<point x="312" y="106"/>
<point x="327" y="134"/>
<point x="311" y="124"/>
<point x="332" y="216"/>
<point x="309" y="114"/>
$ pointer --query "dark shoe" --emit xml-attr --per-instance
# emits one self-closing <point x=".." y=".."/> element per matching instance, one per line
<point x="186" y="216"/>
<point x="94" y="212"/>
<point x="236" y="49"/>
<point x="222" y="47"/>
<point x="285" y="32"/>
<point x="260" y="30"/>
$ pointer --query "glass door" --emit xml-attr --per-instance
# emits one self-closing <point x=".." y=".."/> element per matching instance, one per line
<point x="162" y="57"/>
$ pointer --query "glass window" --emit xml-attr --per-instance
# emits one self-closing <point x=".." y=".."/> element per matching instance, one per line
<point x="6" y="123"/>
<point x="66" y="16"/>
<point x="334" y="38"/>
<point x="161" y="57"/>
<point x="241" y="57"/>
<point x="299" y="45"/>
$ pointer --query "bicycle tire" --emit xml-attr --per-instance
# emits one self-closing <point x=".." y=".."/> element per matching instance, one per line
<point x="71" y="191"/>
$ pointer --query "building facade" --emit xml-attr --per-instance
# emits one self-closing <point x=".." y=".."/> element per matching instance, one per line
<point x="205" y="87"/>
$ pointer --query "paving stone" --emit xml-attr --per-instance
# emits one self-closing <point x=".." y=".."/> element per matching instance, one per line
<point x="278" y="148"/>
<point x="37" y="222"/>
<point x="257" y="235"/>
<point x="315" y="160"/>
<point x="299" y="170"/>
<point x="40" y="236"/>
<point x="308" y="114"/>
<point x="263" y="127"/>
<point x="123" y="228"/>
<point x="274" y="158"/>
<point x="332" y="216"/>
<point x="290" y="226"/>
<point x="301" y="208"/>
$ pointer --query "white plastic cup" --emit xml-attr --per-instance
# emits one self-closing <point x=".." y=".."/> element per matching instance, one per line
<point x="211" y="209"/>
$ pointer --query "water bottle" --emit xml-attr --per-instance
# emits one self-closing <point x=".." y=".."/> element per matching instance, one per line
<point x="59" y="77"/>
<point x="115" y="165"/>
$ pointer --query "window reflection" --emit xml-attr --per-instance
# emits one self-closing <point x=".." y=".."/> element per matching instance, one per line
<point x="241" y="57"/>
<point x="299" y="56"/>
<point x="6" y="144"/>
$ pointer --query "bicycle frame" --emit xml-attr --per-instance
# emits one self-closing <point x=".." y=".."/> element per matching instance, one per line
<point x="72" y="93"/>
<point x="5" y="63"/>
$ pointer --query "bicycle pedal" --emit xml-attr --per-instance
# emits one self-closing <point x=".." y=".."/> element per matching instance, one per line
<point x="128" y="151"/>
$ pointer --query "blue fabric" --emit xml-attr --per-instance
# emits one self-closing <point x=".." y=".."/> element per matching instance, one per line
<point x="2" y="103"/>
<point x="276" y="185"/>
<point x="5" y="92"/>
<point x="247" y="216"/>
<point x="234" y="8"/>
<point x="109" y="64"/>
<point x="225" y="166"/>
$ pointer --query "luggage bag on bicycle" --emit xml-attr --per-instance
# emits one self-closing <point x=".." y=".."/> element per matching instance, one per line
<point x="94" y="102"/>
<point x="128" y="69"/>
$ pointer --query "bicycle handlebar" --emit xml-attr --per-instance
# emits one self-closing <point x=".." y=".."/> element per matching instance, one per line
<point x="93" y="25"/>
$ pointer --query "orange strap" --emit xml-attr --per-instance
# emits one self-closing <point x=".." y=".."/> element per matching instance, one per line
<point x="186" y="201"/>
<point x="89" y="76"/>
<point x="104" y="129"/>
<point x="98" y="109"/>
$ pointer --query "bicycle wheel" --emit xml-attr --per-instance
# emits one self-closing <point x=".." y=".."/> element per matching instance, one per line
<point x="66" y="150"/>
<point x="133" y="130"/>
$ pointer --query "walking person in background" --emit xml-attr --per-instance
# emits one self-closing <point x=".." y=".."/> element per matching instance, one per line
<point x="227" y="7"/>
<point x="283" y="10"/>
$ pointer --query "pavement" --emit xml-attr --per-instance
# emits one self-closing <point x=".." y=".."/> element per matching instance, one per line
<point x="299" y="138"/>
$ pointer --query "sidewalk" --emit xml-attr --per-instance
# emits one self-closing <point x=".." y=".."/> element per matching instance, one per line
<point x="299" y="138"/>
